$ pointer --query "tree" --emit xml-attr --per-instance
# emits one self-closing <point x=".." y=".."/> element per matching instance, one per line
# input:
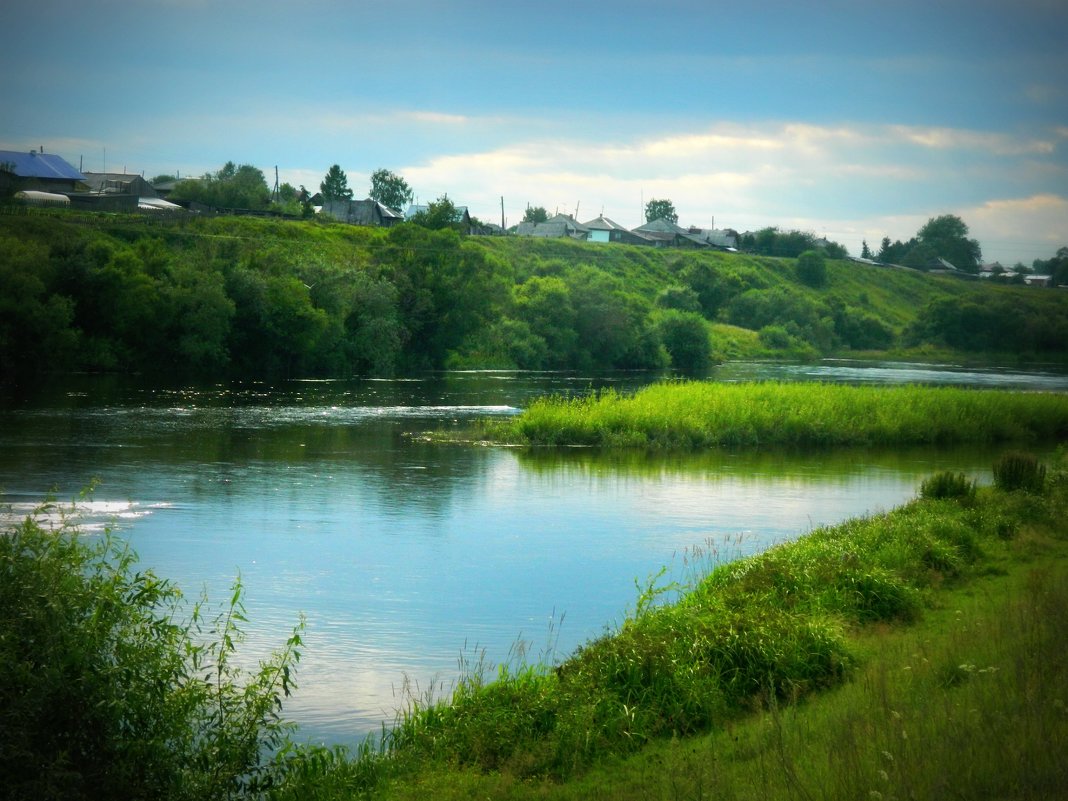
<point x="661" y="210"/>
<point x="947" y="236"/>
<point x="865" y="251"/>
<point x="390" y="189"/>
<point x="442" y="213"/>
<point x="811" y="268"/>
<point x="685" y="337"/>
<point x="1056" y="267"/>
<point x="535" y="214"/>
<point x="232" y="187"/>
<point x="335" y="185"/>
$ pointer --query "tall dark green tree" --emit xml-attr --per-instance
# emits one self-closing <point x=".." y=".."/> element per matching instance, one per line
<point x="335" y="185"/>
<point x="947" y="236"/>
<point x="390" y="189"/>
<point x="661" y="210"/>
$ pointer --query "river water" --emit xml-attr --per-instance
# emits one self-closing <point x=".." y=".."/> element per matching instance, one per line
<point x="409" y="558"/>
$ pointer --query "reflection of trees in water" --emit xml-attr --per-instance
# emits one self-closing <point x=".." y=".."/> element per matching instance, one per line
<point x="808" y="466"/>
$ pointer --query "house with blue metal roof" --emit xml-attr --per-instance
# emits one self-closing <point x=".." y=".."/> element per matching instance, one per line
<point x="37" y="171"/>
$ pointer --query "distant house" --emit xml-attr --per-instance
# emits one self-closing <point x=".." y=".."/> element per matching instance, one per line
<point x="603" y="229"/>
<point x="362" y="212"/>
<point x="119" y="184"/>
<point x="111" y="191"/>
<point x="37" y="172"/>
<point x="718" y="238"/>
<point x="944" y="267"/>
<point x="559" y="227"/>
<point x="665" y="233"/>
<point x="1038" y="280"/>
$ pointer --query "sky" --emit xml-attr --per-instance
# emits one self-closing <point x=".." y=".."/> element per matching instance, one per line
<point x="853" y="120"/>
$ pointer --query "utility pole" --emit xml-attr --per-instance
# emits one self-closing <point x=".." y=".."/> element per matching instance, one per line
<point x="275" y="194"/>
<point x="502" y="214"/>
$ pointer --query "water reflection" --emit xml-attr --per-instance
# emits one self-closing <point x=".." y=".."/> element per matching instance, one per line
<point x="402" y="554"/>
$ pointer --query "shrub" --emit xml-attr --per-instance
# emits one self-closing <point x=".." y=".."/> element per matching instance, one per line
<point x="107" y="695"/>
<point x="947" y="485"/>
<point x="685" y="337"/>
<point x="1019" y="471"/>
<point x="811" y="268"/>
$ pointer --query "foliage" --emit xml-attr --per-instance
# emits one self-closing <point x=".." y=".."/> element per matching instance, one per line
<point x="661" y="210"/>
<point x="947" y="237"/>
<point x="1008" y="321"/>
<point x="535" y="214"/>
<point x="231" y="187"/>
<point x="239" y="296"/>
<point x="700" y="415"/>
<point x="335" y="184"/>
<point x="947" y="484"/>
<point x="790" y="244"/>
<point x="1056" y="267"/>
<point x="756" y="634"/>
<point x="685" y="337"/>
<point x="108" y="694"/>
<point x="390" y="189"/>
<point x="677" y="297"/>
<point x="439" y="215"/>
<point x="1019" y="471"/>
<point x="812" y="269"/>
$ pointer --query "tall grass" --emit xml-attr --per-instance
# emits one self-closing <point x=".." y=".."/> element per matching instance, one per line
<point x="753" y="634"/>
<point x="939" y="686"/>
<point x="701" y="414"/>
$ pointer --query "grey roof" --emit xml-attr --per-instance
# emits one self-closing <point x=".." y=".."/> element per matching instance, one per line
<point x="114" y="182"/>
<point x="38" y="165"/>
<point x="661" y="226"/>
<point x="602" y="223"/>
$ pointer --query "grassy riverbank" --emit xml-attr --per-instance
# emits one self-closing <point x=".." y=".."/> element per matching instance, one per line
<point x="701" y="415"/>
<point x="918" y="653"/>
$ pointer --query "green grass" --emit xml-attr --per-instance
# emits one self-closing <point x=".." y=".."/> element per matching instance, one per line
<point x="702" y="415"/>
<point x="918" y="654"/>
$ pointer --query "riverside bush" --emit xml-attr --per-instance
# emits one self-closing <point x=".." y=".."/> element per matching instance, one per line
<point x="1019" y="471"/>
<point x="947" y="484"/>
<point x="107" y="695"/>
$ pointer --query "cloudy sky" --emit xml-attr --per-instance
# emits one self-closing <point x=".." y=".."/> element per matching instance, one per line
<point x="855" y="120"/>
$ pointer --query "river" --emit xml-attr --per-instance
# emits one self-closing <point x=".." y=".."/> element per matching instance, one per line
<point x="409" y="558"/>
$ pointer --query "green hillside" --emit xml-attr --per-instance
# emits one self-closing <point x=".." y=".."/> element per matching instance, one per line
<point x="247" y="296"/>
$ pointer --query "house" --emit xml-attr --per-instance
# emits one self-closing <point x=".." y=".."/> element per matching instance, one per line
<point x="558" y="227"/>
<point x="362" y="212"/>
<point x="37" y="172"/>
<point x="943" y="267"/>
<point x="603" y="229"/>
<point x="112" y="191"/>
<point x="119" y="184"/>
<point x="1038" y="280"/>
<point x="665" y="233"/>
<point x="718" y="238"/>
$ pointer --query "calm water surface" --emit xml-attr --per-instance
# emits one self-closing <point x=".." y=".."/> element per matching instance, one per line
<point x="408" y="557"/>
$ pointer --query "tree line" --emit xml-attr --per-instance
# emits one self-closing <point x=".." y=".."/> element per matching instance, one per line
<point x="237" y="296"/>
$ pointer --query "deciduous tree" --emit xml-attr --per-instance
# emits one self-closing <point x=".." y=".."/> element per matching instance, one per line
<point x="535" y="214"/>
<point x="947" y="236"/>
<point x="661" y="210"/>
<point x="390" y="189"/>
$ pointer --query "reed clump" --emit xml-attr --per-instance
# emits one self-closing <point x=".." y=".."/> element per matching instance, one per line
<point x="1019" y="471"/>
<point x="948" y="484"/>
<point x="693" y="415"/>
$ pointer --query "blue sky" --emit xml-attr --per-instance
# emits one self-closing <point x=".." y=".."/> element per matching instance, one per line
<point x="853" y="120"/>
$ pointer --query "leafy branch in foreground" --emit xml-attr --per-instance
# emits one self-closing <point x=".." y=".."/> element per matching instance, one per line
<point x="109" y="694"/>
